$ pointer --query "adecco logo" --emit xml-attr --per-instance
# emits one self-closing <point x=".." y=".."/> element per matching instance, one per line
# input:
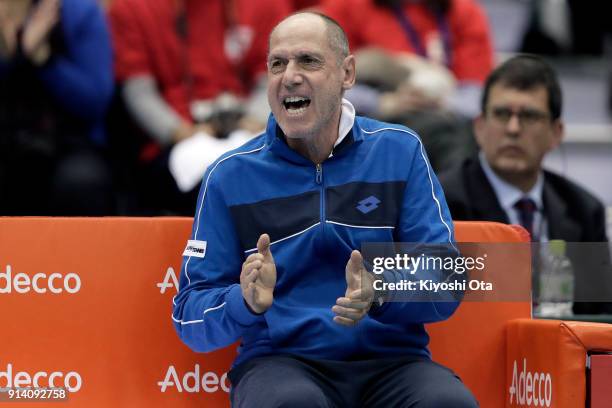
<point x="192" y="381"/>
<point x="530" y="389"/>
<point x="170" y="281"/>
<point x="71" y="381"/>
<point x="40" y="283"/>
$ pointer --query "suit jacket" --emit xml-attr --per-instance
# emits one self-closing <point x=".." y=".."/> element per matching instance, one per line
<point x="572" y="214"/>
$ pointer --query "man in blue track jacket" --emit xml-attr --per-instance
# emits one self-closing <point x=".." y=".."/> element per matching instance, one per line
<point x="273" y="257"/>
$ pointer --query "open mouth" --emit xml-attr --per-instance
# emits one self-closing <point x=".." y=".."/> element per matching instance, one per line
<point x="296" y="105"/>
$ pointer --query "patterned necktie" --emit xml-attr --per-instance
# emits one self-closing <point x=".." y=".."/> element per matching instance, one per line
<point x="526" y="208"/>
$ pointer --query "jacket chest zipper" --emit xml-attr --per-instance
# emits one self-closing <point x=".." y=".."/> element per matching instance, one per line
<point x="319" y="181"/>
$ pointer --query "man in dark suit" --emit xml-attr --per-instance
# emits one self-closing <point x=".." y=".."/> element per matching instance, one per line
<point x="521" y="122"/>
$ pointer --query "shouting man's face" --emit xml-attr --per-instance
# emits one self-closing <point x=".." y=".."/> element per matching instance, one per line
<point x="306" y="78"/>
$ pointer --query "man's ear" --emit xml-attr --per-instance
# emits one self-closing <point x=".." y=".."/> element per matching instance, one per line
<point x="558" y="131"/>
<point x="348" y="68"/>
<point x="479" y="130"/>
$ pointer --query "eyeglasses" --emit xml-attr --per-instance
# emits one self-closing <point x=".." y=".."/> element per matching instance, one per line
<point x="527" y="117"/>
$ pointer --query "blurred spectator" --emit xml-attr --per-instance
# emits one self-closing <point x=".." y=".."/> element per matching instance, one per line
<point x="570" y="27"/>
<point x="185" y="68"/>
<point x="519" y="124"/>
<point x="566" y="27"/>
<point x="420" y="63"/>
<point x="56" y="81"/>
<point x="448" y="41"/>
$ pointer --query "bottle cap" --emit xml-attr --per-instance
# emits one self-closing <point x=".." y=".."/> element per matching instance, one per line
<point x="557" y="247"/>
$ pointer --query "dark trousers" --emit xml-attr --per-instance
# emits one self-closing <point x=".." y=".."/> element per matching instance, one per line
<point x="290" y="381"/>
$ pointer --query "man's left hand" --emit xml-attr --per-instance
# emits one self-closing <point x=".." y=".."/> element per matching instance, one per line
<point x="359" y="293"/>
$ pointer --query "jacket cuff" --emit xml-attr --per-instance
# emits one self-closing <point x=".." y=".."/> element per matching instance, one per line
<point x="237" y="308"/>
<point x="377" y="309"/>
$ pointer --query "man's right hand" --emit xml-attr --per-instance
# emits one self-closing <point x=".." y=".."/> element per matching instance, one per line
<point x="258" y="277"/>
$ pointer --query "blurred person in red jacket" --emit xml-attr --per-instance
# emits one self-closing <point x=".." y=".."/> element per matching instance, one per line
<point x="191" y="67"/>
<point x="421" y="63"/>
<point x="447" y="42"/>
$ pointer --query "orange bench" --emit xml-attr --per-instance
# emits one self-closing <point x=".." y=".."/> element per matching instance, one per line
<point x="87" y="304"/>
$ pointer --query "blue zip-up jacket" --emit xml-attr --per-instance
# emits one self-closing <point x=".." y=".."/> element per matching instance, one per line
<point x="315" y="216"/>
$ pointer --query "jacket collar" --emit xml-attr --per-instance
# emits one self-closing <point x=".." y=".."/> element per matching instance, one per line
<point x="507" y="194"/>
<point x="347" y="136"/>
<point x="486" y="205"/>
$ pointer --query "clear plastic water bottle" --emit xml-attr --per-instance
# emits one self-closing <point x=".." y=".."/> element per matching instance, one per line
<point x="556" y="281"/>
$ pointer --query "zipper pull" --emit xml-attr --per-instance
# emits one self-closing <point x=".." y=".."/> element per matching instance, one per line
<point x="319" y="177"/>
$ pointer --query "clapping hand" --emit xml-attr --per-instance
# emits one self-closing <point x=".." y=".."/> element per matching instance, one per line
<point x="359" y="293"/>
<point x="258" y="277"/>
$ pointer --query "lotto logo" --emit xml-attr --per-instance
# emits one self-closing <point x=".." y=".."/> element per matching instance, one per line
<point x="71" y="381"/>
<point x="55" y="283"/>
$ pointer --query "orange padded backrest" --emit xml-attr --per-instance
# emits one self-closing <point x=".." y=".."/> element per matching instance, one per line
<point x="555" y="353"/>
<point x="90" y="300"/>
<point x="87" y="303"/>
<point x="473" y="341"/>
